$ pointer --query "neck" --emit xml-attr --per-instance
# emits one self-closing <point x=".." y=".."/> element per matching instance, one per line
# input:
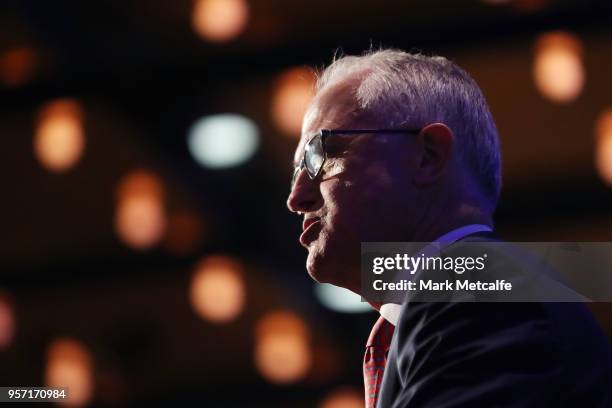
<point x="448" y="218"/>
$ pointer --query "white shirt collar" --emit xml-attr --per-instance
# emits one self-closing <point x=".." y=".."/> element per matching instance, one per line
<point x="391" y="311"/>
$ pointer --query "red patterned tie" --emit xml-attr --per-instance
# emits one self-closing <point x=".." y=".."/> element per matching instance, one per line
<point x="375" y="359"/>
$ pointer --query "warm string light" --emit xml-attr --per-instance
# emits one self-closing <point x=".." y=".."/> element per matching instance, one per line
<point x="344" y="397"/>
<point x="558" y="69"/>
<point x="59" y="140"/>
<point x="217" y="291"/>
<point x="219" y="20"/>
<point x="69" y="365"/>
<point x="7" y="321"/>
<point x="17" y="66"/>
<point x="293" y="91"/>
<point x="184" y="233"/>
<point x="603" y="154"/>
<point x="140" y="215"/>
<point x="282" y="347"/>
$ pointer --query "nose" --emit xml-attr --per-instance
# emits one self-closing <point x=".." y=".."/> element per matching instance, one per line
<point x="304" y="195"/>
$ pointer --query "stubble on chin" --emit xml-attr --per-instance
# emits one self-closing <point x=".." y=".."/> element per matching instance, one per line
<point x="315" y="263"/>
<point x="326" y="264"/>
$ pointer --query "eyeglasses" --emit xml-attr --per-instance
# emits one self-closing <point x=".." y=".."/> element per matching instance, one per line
<point x="315" y="153"/>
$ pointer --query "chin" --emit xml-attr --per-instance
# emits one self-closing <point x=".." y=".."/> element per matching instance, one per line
<point x="315" y="268"/>
<point x="324" y="268"/>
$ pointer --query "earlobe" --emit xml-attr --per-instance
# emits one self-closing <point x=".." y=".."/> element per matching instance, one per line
<point x="436" y="141"/>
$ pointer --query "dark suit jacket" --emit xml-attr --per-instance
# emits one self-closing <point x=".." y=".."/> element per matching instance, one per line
<point x="467" y="354"/>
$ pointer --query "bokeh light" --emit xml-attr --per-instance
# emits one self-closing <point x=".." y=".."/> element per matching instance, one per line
<point x="140" y="221"/>
<point x="17" y="66"/>
<point x="220" y="20"/>
<point x="282" y="347"/>
<point x="140" y="182"/>
<point x="603" y="155"/>
<point x="558" y="69"/>
<point x="59" y="140"/>
<point x="140" y="216"/>
<point x="69" y="365"/>
<point x="344" y="397"/>
<point x="7" y="322"/>
<point x="293" y="92"/>
<point x="224" y="140"/>
<point x="217" y="291"/>
<point x="340" y="299"/>
<point x="530" y="6"/>
<point x="184" y="233"/>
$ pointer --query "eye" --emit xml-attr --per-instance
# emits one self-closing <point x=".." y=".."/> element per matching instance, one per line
<point x="336" y="147"/>
<point x="334" y="151"/>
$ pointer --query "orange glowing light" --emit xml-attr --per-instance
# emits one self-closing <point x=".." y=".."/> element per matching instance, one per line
<point x="69" y="365"/>
<point x="558" y="69"/>
<point x="220" y="20"/>
<point x="7" y="322"/>
<point x="140" y="182"/>
<point x="603" y="156"/>
<point x="183" y="233"/>
<point x="217" y="290"/>
<point x="17" y="66"/>
<point x="282" y="322"/>
<point x="140" y="221"/>
<point x="140" y="214"/>
<point x="59" y="140"/>
<point x="282" y="349"/>
<point x="344" y="398"/>
<point x="530" y="6"/>
<point x="293" y="92"/>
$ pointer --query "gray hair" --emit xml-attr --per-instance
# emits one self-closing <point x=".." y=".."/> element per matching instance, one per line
<point x="404" y="89"/>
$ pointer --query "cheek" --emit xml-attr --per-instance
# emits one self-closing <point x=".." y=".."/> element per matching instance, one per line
<point x="370" y="204"/>
<point x="341" y="199"/>
<point x="373" y="185"/>
<point x="354" y="202"/>
<point x="379" y="182"/>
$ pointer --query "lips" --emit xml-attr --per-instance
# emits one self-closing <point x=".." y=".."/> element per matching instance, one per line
<point x="308" y="222"/>
<point x="311" y="228"/>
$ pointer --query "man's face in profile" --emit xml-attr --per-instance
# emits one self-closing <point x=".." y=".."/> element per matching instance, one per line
<point x="363" y="193"/>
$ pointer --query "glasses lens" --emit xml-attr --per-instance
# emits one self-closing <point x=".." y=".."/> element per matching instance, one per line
<point x="314" y="156"/>
<point x="296" y="173"/>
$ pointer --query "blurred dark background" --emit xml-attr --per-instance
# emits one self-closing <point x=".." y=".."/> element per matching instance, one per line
<point x="146" y="252"/>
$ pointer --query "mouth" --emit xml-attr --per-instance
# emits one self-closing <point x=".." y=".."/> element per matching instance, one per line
<point x="311" y="228"/>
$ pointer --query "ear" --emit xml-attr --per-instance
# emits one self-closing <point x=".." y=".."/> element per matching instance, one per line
<point x="436" y="141"/>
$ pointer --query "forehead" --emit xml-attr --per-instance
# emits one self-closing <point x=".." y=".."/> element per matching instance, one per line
<point x="332" y="108"/>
